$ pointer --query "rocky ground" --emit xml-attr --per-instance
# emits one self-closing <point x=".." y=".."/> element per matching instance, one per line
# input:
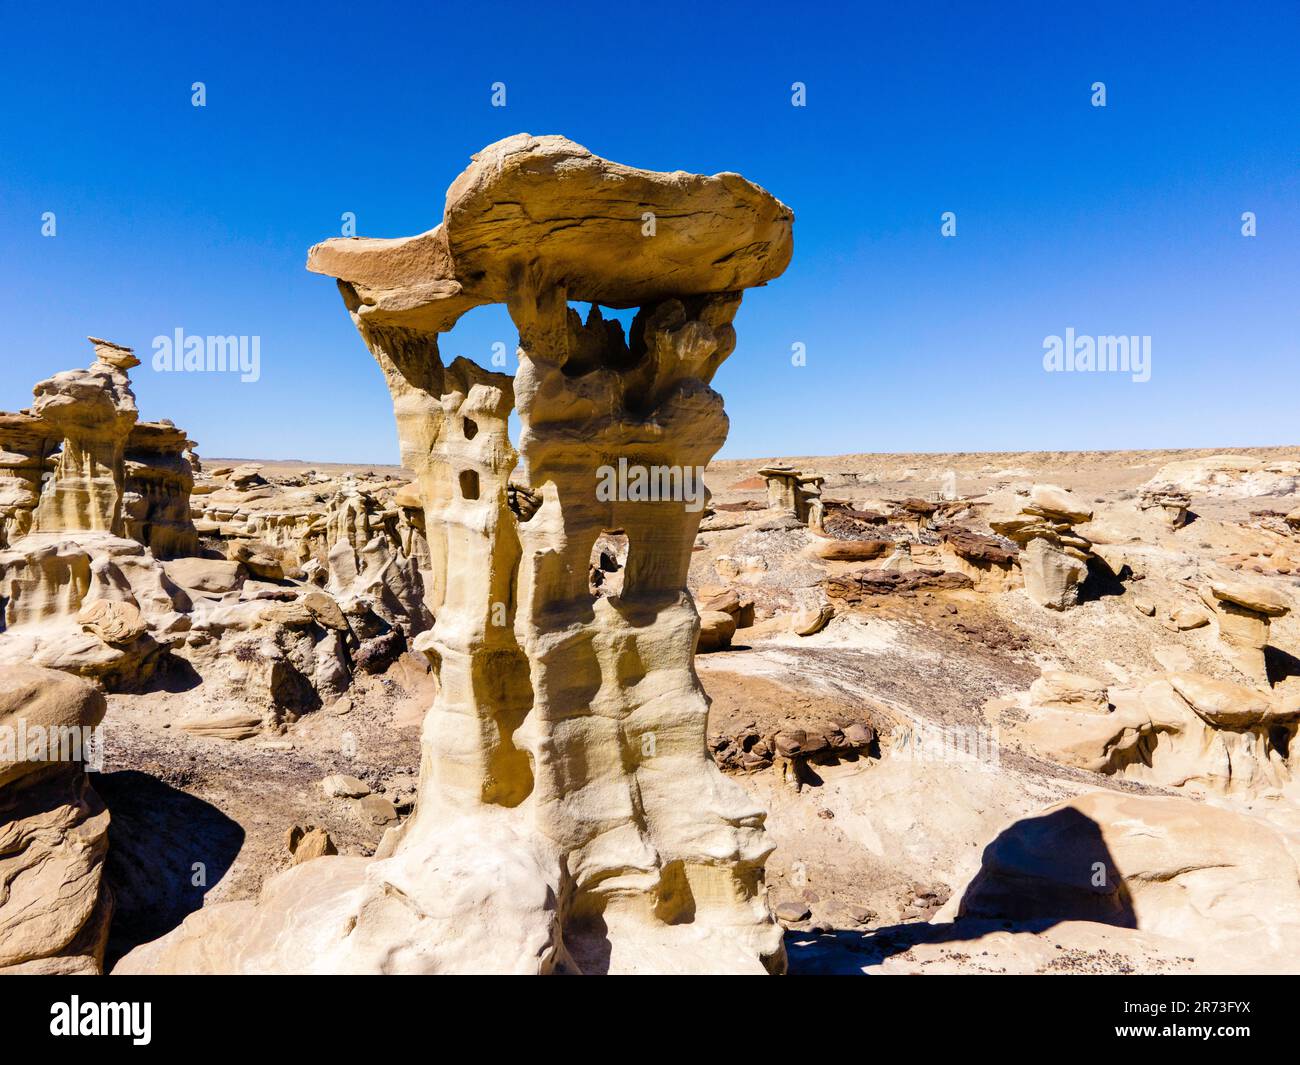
<point x="877" y="837"/>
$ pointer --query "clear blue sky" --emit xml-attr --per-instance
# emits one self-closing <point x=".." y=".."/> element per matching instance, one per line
<point x="1122" y="220"/>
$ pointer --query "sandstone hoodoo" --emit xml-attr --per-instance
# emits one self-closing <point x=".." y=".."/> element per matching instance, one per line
<point x="569" y="816"/>
<point x="1053" y="557"/>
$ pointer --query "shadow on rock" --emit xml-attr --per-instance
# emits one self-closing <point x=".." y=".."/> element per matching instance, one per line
<point x="1037" y="873"/>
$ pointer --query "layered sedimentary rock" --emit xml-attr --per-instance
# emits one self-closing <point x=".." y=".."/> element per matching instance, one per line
<point x="1181" y="729"/>
<point x="1228" y="476"/>
<point x="159" y="479"/>
<point x="54" y="906"/>
<point x="1053" y="557"/>
<point x="987" y="560"/>
<point x="78" y="548"/>
<point x="1242" y="613"/>
<point x="569" y="815"/>
<point x="25" y="445"/>
<point x="794" y="494"/>
<point x="1168" y="502"/>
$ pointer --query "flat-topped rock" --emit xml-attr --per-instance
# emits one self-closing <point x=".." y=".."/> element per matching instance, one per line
<point x="1252" y="596"/>
<point x="582" y="221"/>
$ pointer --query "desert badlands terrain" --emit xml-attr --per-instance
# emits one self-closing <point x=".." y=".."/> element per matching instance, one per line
<point x="494" y="711"/>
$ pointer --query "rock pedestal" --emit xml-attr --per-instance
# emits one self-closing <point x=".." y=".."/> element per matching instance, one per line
<point x="1054" y="558"/>
<point x="570" y="817"/>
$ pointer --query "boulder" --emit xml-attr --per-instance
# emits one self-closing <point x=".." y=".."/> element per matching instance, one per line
<point x="717" y="627"/>
<point x="850" y="550"/>
<point x="339" y="785"/>
<point x="228" y="725"/>
<point x="811" y="620"/>
<point x="306" y="843"/>
<point x="1252" y="596"/>
<point x="1052" y="574"/>
<point x="114" y="622"/>
<point x="207" y="576"/>
<point x="1227" y="705"/>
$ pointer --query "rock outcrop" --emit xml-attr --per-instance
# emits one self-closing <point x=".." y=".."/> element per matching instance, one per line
<point x="989" y="561"/>
<point x="25" y="445"/>
<point x="54" y="905"/>
<point x="1228" y="476"/>
<point x="1242" y="613"/>
<point x="159" y="479"/>
<point x="1165" y="865"/>
<point x="569" y="816"/>
<point x="95" y="497"/>
<point x="793" y="494"/>
<point x="1053" y="557"/>
<point x="92" y="413"/>
<point x="1167" y="501"/>
<point x="1179" y="729"/>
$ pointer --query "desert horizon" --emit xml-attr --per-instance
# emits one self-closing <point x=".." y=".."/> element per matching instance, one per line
<point x="801" y="546"/>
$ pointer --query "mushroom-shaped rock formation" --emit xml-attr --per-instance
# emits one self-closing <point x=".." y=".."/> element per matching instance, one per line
<point x="1054" y="558"/>
<point x="569" y="815"/>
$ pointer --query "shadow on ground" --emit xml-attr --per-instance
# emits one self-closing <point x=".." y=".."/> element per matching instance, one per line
<point x="166" y="849"/>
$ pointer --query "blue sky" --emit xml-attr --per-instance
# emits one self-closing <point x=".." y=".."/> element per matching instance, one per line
<point x="1117" y="220"/>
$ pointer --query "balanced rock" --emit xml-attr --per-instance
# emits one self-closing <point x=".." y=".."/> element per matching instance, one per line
<point x="569" y="817"/>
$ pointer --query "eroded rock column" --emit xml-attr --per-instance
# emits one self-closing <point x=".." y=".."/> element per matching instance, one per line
<point x="619" y="717"/>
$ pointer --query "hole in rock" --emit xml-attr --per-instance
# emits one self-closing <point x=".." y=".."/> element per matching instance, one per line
<point x="471" y="428"/>
<point x="608" y="557"/>
<point x="469" y="484"/>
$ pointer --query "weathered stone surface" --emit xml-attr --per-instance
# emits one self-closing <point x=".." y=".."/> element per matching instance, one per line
<point x="1182" y="729"/>
<point x="1052" y="575"/>
<point x="341" y="785"/>
<point x="1243" y="611"/>
<point x="852" y="587"/>
<point x="231" y="725"/>
<point x="54" y="911"/>
<point x="113" y="622"/>
<point x="717" y="627"/>
<point x="811" y="620"/>
<point x="1167" y="501"/>
<point x="92" y="411"/>
<point x="207" y="576"/>
<point x="1228" y="476"/>
<point x="850" y="550"/>
<point x="158" y="481"/>
<point x="1057" y="503"/>
<point x="306" y="843"/>
<point x="1060" y="690"/>
<point x="1054" y="558"/>
<point x="1257" y="597"/>
<point x="1223" y="704"/>
<point x="569" y="817"/>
